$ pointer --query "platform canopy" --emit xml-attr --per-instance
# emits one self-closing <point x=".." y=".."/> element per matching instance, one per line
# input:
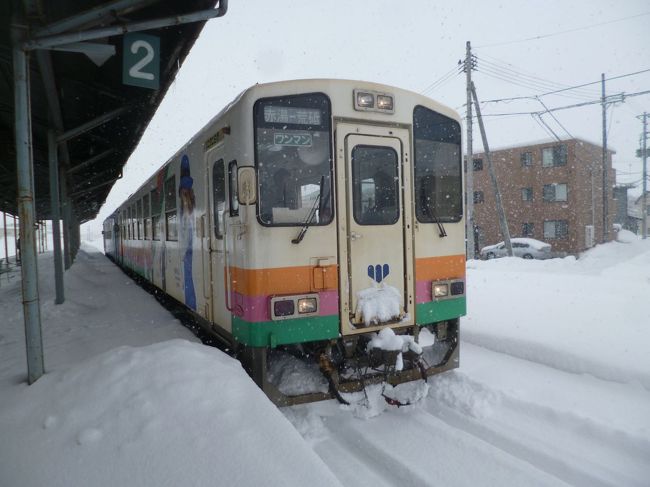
<point x="77" y="88"/>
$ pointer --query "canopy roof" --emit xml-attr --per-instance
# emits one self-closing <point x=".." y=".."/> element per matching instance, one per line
<point x="69" y="91"/>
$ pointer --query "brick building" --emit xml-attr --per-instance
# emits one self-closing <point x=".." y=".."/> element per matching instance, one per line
<point x="551" y="191"/>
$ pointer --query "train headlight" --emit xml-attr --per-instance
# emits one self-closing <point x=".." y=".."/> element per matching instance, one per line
<point x="440" y="290"/>
<point x="299" y="306"/>
<point x="307" y="305"/>
<point x="385" y="102"/>
<point x="365" y="100"/>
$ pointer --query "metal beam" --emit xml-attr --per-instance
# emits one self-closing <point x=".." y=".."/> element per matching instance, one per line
<point x="83" y="191"/>
<point x="56" y="217"/>
<point x="49" y="83"/>
<point x="65" y="214"/>
<point x="93" y="16"/>
<point x="111" y="172"/>
<point x="89" y="162"/>
<point x="57" y="40"/>
<point x="91" y="124"/>
<point x="25" y="170"/>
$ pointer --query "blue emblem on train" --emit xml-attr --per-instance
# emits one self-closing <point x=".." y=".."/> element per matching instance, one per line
<point x="378" y="272"/>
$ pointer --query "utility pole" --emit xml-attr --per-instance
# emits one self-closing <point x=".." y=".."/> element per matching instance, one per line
<point x="605" y="185"/>
<point x="469" y="178"/>
<point x="503" y="222"/>
<point x="644" y="148"/>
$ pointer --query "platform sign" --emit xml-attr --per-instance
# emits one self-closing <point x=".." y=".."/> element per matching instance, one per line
<point x="141" y="61"/>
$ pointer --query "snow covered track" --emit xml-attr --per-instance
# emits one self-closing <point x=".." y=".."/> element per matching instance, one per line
<point x="571" y="441"/>
<point x="473" y="430"/>
<point x="552" y="387"/>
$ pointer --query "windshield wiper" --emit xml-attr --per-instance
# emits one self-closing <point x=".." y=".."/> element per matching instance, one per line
<point x="310" y="217"/>
<point x="441" y="230"/>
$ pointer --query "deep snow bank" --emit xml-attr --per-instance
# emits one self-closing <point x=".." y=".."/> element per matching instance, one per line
<point x="581" y="316"/>
<point x="173" y="413"/>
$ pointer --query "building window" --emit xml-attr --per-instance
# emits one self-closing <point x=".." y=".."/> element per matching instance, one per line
<point x="478" y="197"/>
<point x="528" y="230"/>
<point x="556" y="229"/>
<point x="554" y="156"/>
<point x="526" y="159"/>
<point x="527" y="194"/>
<point x="555" y="192"/>
<point x="477" y="164"/>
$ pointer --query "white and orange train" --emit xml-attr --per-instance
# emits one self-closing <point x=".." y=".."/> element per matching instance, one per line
<point x="306" y="217"/>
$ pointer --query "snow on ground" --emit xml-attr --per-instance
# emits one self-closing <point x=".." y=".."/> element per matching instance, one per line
<point x="588" y="315"/>
<point x="552" y="389"/>
<point x="131" y="399"/>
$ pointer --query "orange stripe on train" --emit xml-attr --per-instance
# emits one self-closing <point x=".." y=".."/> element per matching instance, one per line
<point x="284" y="280"/>
<point x="437" y="268"/>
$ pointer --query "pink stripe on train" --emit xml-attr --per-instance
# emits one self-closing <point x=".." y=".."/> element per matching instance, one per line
<point x="257" y="308"/>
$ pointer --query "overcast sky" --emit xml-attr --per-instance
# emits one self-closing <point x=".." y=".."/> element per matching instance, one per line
<point x="412" y="44"/>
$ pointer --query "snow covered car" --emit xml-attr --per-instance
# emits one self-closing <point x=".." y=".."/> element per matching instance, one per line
<point x="527" y="248"/>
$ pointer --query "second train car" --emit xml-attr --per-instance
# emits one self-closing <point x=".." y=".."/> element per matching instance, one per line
<point x="320" y="218"/>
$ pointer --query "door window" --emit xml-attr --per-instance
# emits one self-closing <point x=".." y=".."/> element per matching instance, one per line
<point x="218" y="196"/>
<point x="375" y="185"/>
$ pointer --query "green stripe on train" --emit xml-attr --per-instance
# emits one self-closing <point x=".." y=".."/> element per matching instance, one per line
<point x="440" y="310"/>
<point x="282" y="332"/>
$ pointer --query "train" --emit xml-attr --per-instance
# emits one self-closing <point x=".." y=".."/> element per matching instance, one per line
<point x="320" y="220"/>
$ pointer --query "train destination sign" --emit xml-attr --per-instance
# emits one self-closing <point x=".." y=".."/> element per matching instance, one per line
<point x="298" y="140"/>
<point x="297" y="116"/>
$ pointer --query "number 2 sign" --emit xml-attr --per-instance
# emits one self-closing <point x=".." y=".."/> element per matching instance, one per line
<point x="141" y="61"/>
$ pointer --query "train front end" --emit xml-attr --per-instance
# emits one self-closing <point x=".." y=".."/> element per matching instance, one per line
<point x="361" y="185"/>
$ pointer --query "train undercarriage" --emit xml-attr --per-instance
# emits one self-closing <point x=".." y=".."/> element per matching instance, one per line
<point x="319" y="371"/>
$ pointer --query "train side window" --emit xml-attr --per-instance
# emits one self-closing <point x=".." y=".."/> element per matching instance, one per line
<point x="138" y="216"/>
<point x="145" y="216"/>
<point x="171" y="220"/>
<point x="133" y="221"/>
<point x="129" y="217"/>
<point x="156" y="222"/>
<point x="218" y="196"/>
<point x="232" y="188"/>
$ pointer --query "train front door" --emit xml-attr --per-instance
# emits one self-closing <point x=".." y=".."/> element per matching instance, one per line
<point x="375" y="227"/>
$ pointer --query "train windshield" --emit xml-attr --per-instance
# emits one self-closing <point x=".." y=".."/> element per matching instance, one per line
<point x="293" y="156"/>
<point x="438" y="180"/>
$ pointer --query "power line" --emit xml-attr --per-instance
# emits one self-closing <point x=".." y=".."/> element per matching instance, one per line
<point x="535" y="81"/>
<point x="440" y="81"/>
<point x="554" y="118"/>
<point x="533" y="86"/>
<point x="565" y="89"/>
<point x="544" y="36"/>
<point x="623" y="97"/>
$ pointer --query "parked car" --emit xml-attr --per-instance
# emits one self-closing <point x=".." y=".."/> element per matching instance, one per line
<point x="527" y="248"/>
